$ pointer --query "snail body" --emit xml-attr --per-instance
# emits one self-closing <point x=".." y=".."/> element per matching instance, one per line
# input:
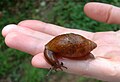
<point x="72" y="46"/>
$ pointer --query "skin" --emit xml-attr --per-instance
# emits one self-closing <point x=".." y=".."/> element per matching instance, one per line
<point x="31" y="35"/>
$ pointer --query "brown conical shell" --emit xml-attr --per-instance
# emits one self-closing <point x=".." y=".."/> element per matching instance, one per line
<point x="71" y="45"/>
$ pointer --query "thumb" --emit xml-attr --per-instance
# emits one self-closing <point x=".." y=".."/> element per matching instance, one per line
<point x="103" y="12"/>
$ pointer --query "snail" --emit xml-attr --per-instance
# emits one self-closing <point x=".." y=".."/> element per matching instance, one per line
<point x="71" y="46"/>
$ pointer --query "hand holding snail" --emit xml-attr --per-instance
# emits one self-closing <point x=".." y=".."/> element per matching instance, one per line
<point x="106" y="65"/>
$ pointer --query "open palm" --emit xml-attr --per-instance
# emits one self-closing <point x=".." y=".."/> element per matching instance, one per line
<point x="31" y="35"/>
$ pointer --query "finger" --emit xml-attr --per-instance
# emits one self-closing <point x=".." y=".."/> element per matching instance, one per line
<point x="42" y="27"/>
<point x="103" y="12"/>
<point x="25" y="43"/>
<point x="52" y="29"/>
<point x="15" y="28"/>
<point x="99" y="68"/>
<point x="39" y="61"/>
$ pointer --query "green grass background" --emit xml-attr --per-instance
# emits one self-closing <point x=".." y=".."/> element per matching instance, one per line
<point x="15" y="65"/>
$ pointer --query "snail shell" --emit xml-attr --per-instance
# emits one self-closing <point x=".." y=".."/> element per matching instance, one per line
<point x="72" y="46"/>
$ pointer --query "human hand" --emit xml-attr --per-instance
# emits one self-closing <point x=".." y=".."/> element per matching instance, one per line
<point x="30" y="36"/>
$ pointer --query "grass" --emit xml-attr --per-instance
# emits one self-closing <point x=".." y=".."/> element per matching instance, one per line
<point x="15" y="65"/>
